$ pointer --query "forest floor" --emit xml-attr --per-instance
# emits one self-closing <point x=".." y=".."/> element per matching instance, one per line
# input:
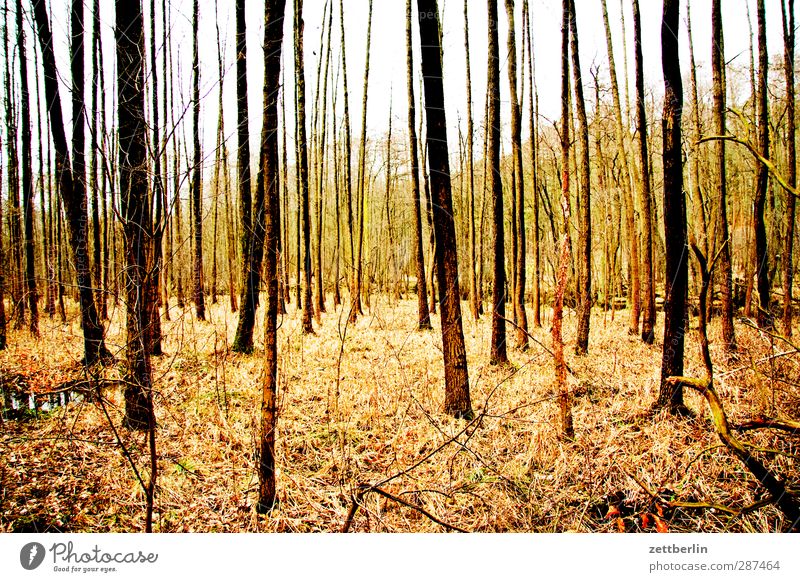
<point x="508" y="470"/>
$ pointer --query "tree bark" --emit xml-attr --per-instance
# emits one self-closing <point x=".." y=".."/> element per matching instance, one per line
<point x="791" y="174"/>
<point x="584" y="197"/>
<point x="533" y="122"/>
<point x="135" y="214"/>
<point x="269" y="180"/>
<point x="499" y="353"/>
<point x="197" y="174"/>
<point x="243" y="341"/>
<point x="519" y="185"/>
<point x="361" y="194"/>
<point x="423" y="314"/>
<point x="456" y="379"/>
<point x="300" y="84"/>
<point x="648" y="286"/>
<point x="725" y="267"/>
<point x="27" y="180"/>
<point x="474" y="296"/>
<point x="72" y="186"/>
<point x="675" y="236"/>
<point x="634" y="286"/>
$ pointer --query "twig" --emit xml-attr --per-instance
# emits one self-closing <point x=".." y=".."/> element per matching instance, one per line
<point x="365" y="488"/>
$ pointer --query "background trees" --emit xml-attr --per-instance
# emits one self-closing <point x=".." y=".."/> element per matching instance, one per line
<point x="432" y="170"/>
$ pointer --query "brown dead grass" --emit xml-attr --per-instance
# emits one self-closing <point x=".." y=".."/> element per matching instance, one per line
<point x="509" y="471"/>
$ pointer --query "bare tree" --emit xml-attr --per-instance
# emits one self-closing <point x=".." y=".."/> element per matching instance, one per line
<point x="71" y="188"/>
<point x="648" y="290"/>
<point x="725" y="267"/>
<point x="269" y="180"/>
<point x="27" y="179"/>
<point x="456" y="378"/>
<point x="564" y="395"/>
<point x="197" y="173"/>
<point x="791" y="174"/>
<point x="499" y="353"/>
<point x="675" y="235"/>
<point x="243" y="342"/>
<point x="302" y="147"/>
<point x="424" y="317"/>
<point x="585" y="196"/>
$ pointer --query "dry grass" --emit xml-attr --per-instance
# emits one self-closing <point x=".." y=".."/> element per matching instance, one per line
<point x="508" y="471"/>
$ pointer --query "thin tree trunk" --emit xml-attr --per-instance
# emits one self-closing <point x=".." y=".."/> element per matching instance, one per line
<point x="300" y="84"/>
<point x="269" y="184"/>
<point x="14" y="222"/>
<point x="764" y="315"/>
<point x="456" y="379"/>
<point x="46" y="242"/>
<point x="533" y="123"/>
<point x="791" y="174"/>
<point x="72" y="186"/>
<point x="139" y="412"/>
<point x="519" y="183"/>
<point x="499" y="353"/>
<point x="634" y="286"/>
<point x="584" y="197"/>
<point x="675" y="235"/>
<point x="564" y="395"/>
<point x="361" y="194"/>
<point x="243" y="341"/>
<point x="27" y="180"/>
<point x="725" y="267"/>
<point x="423" y="315"/>
<point x="153" y="278"/>
<point x="2" y="268"/>
<point x="197" y="176"/>
<point x="320" y="287"/>
<point x="474" y="296"/>
<point x="648" y="291"/>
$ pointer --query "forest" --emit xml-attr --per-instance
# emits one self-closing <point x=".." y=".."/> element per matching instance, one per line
<point x="357" y="266"/>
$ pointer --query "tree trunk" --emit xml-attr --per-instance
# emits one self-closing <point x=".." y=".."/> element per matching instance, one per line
<point x="519" y="183"/>
<point x="498" y="347"/>
<point x="361" y="194"/>
<point x="791" y="174"/>
<point x="474" y="296"/>
<point x="72" y="189"/>
<point x="27" y="180"/>
<point x="243" y="341"/>
<point x="533" y="123"/>
<point x="764" y="315"/>
<point x="584" y="197"/>
<point x="2" y="269"/>
<point x="564" y="396"/>
<point x="135" y="214"/>
<point x="456" y="379"/>
<point x="634" y="286"/>
<point x="269" y="181"/>
<point x="424" y="318"/>
<point x="14" y="220"/>
<point x="197" y="175"/>
<point x="675" y="237"/>
<point x="725" y="267"/>
<point x="302" y="146"/>
<point x="648" y="290"/>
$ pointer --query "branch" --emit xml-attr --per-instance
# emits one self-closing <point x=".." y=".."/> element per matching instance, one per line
<point x="773" y="171"/>
<point x="783" y="499"/>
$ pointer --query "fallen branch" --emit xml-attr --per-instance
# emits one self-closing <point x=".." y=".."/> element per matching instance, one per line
<point x="365" y="488"/>
<point x="782" y="498"/>
<point x="764" y="422"/>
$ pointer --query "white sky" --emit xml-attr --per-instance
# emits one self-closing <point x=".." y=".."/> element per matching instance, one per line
<point x="388" y="76"/>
